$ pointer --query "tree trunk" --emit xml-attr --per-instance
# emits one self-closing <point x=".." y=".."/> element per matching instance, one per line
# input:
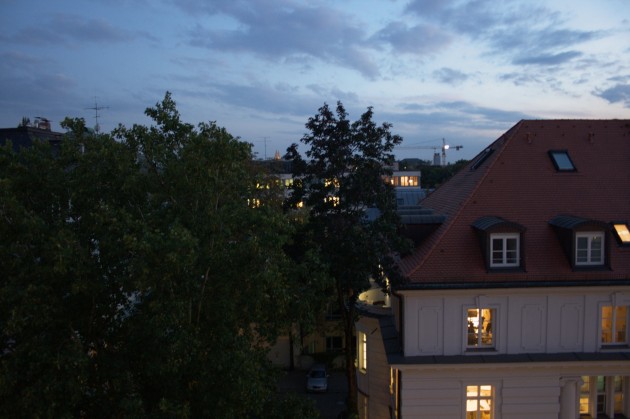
<point x="348" y="313"/>
<point x="351" y="373"/>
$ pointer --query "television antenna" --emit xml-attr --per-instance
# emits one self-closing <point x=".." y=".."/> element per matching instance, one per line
<point x="96" y="108"/>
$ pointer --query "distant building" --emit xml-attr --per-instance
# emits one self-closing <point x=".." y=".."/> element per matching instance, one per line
<point x="518" y="300"/>
<point x="25" y="136"/>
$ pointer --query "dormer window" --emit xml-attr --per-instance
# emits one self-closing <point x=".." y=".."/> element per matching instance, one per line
<point x="561" y="161"/>
<point x="505" y="250"/>
<point x="501" y="242"/>
<point x="589" y="248"/>
<point x="583" y="240"/>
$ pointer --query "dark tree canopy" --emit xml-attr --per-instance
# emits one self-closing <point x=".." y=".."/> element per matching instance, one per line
<point x="138" y="276"/>
<point x="352" y="210"/>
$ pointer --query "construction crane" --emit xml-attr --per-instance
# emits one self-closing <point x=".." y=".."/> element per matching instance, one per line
<point x="436" y="156"/>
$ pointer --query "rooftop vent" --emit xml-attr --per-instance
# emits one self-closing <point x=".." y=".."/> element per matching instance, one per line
<point x="42" y="123"/>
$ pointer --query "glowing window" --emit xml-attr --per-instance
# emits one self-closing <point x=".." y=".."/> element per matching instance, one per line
<point x="614" y="325"/>
<point x="589" y="248"/>
<point x="622" y="233"/>
<point x="331" y="182"/>
<point x="479" y="327"/>
<point x="479" y="402"/>
<point x="362" y="351"/>
<point x="332" y="199"/>
<point x="585" y="391"/>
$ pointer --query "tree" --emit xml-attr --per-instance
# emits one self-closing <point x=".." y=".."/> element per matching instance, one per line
<point x="352" y="210"/>
<point x="144" y="274"/>
<point x="434" y="176"/>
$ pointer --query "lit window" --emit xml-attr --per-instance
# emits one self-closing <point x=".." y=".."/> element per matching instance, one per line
<point x="589" y="248"/>
<point x="332" y="199"/>
<point x="408" y="180"/>
<point x="597" y="390"/>
<point x="479" y="402"/>
<point x="505" y="250"/>
<point x="618" y="393"/>
<point x="479" y="327"/>
<point x="562" y="161"/>
<point x="585" y="396"/>
<point x="362" y="351"/>
<point x="331" y="182"/>
<point x="622" y="233"/>
<point x="614" y="325"/>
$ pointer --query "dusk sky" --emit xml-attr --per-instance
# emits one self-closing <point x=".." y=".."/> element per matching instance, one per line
<point x="465" y="71"/>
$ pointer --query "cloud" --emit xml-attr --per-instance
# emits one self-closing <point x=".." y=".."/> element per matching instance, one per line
<point x="285" y="30"/>
<point x="418" y="39"/>
<point x="450" y="76"/>
<point x="454" y="112"/>
<point x="67" y="28"/>
<point x="617" y="93"/>
<point x="547" y="59"/>
<point x="532" y="34"/>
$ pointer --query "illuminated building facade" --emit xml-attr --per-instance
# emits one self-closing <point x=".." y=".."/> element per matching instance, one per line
<point x="517" y="303"/>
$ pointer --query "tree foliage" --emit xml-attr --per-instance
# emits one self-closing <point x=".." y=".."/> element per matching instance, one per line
<point x="434" y="176"/>
<point x="139" y="279"/>
<point x="352" y="210"/>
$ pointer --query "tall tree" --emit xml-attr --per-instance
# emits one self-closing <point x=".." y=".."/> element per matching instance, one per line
<point x="352" y="209"/>
<point x="143" y="274"/>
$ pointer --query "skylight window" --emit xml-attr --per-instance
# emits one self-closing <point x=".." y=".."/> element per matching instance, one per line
<point x="622" y="233"/>
<point x="562" y="161"/>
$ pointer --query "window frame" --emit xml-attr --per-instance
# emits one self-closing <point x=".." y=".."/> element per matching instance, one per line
<point x="479" y="345"/>
<point x="488" y="229"/>
<point x="558" y="164"/>
<point x="590" y="235"/>
<point x="504" y="237"/>
<point x="477" y="398"/>
<point x="612" y="330"/>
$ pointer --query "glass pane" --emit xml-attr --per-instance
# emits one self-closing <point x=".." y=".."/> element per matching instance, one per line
<point x="485" y="405"/>
<point x="562" y="160"/>
<point x="623" y="233"/>
<point x="486" y="391"/>
<point x="473" y="324"/>
<point x="471" y="391"/>
<point x="486" y="326"/>
<point x="601" y="384"/>
<point x="596" y="249"/>
<point x="607" y="324"/>
<point x="620" y="324"/>
<point x="497" y="251"/>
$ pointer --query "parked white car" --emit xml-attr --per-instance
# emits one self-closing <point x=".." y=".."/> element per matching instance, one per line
<point x="317" y="378"/>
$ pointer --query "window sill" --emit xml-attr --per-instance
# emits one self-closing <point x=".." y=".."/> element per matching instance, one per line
<point x="505" y="269"/>
<point x="594" y="268"/>
<point x="480" y="350"/>
<point x="614" y="346"/>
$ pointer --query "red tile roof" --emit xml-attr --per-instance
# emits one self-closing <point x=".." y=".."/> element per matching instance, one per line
<point x="519" y="183"/>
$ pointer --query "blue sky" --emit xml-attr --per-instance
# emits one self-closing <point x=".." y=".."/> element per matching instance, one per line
<point x="465" y="71"/>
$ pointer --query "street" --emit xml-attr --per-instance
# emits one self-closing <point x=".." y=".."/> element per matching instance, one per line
<point x="330" y="403"/>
